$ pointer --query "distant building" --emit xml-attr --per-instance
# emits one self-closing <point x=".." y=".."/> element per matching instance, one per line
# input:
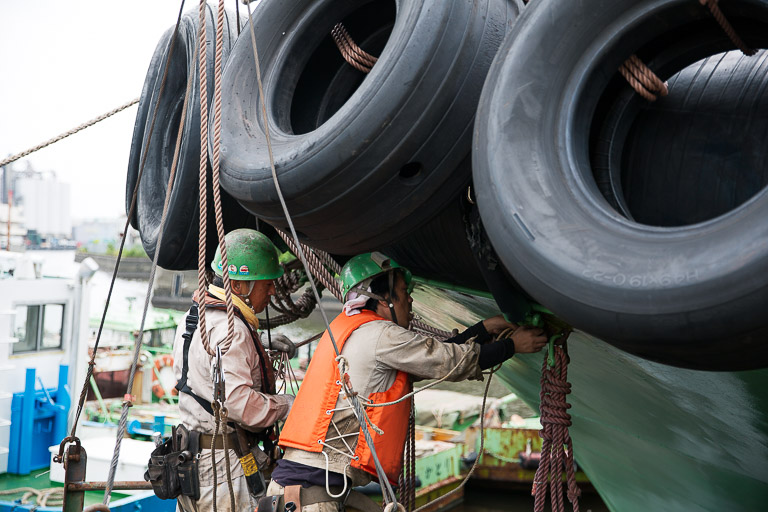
<point x="98" y="235"/>
<point x="45" y="202"/>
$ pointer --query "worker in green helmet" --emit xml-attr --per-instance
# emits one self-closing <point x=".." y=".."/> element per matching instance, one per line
<point x="252" y="405"/>
<point x="325" y="452"/>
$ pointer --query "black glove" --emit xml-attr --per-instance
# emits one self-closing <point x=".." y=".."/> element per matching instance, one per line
<point x="280" y="343"/>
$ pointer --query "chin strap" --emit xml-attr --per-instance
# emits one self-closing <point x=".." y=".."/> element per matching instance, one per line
<point x="361" y="291"/>
<point x="391" y="290"/>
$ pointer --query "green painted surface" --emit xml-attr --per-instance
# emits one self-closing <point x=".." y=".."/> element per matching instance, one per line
<point x="654" y="437"/>
<point x="648" y="436"/>
<point x="129" y="319"/>
<point x="438" y="466"/>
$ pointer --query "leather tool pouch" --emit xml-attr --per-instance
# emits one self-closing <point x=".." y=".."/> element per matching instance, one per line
<point x="162" y="468"/>
<point x="188" y="469"/>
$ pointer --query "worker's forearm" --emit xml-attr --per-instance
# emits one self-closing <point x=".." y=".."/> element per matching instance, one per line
<point x="492" y="354"/>
<point x="477" y="330"/>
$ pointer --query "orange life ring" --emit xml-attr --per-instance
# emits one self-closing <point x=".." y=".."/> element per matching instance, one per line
<point x="165" y="360"/>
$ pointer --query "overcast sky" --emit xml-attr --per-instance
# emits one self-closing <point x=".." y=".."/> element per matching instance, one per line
<point x="65" y="62"/>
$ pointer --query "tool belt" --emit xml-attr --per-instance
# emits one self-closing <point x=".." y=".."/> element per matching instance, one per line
<point x="205" y="442"/>
<point x="173" y="465"/>
<point x="304" y="496"/>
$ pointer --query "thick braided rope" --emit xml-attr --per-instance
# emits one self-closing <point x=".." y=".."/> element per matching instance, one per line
<point x="66" y="134"/>
<point x="555" y="438"/>
<point x="319" y="270"/>
<point x="202" y="282"/>
<point x="361" y="55"/>
<point x="440" y="334"/>
<point x="352" y="53"/>
<point x="92" y="363"/>
<point x="412" y="459"/>
<point x="714" y="8"/>
<point x="314" y="265"/>
<point x="642" y="79"/>
<point x="127" y="402"/>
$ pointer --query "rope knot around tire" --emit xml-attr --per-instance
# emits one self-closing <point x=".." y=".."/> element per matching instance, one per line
<point x="642" y="79"/>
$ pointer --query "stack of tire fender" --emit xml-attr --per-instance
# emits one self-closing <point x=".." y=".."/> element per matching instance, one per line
<point x="640" y="223"/>
<point x="644" y="225"/>
<point x="179" y="243"/>
<point x="362" y="159"/>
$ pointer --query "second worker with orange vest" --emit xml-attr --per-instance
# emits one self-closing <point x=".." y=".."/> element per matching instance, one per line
<point x="325" y="449"/>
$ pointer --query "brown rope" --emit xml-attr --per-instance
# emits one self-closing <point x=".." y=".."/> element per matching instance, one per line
<point x="315" y="265"/>
<point x="66" y="134"/>
<point x="714" y="8"/>
<point x="407" y="481"/>
<point x="642" y="79"/>
<point x="352" y="53"/>
<point x="215" y="164"/>
<point x="557" y="448"/>
<point x="202" y="281"/>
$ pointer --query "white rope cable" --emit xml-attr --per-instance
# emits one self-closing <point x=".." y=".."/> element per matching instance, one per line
<point x="359" y="413"/>
<point x="424" y="388"/>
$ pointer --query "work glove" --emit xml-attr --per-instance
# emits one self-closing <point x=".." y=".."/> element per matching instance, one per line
<point x="280" y="343"/>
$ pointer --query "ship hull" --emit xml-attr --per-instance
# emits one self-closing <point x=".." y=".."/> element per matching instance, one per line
<point x="655" y="437"/>
<point x="649" y="436"/>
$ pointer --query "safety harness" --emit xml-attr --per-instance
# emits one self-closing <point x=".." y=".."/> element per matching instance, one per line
<point x="191" y="323"/>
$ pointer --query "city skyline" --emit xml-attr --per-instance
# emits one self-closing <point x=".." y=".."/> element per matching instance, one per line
<point x="70" y="62"/>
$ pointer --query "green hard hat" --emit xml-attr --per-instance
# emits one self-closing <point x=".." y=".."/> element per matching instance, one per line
<point x="251" y="256"/>
<point x="364" y="267"/>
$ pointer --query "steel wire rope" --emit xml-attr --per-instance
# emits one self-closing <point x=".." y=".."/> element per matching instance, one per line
<point x="92" y="363"/>
<point x="128" y="399"/>
<point x="66" y="134"/>
<point x="359" y="413"/>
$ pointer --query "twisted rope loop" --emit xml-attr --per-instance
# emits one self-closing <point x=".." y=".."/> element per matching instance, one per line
<point x="284" y="304"/>
<point x="642" y="79"/>
<point x="407" y="481"/>
<point x="714" y="8"/>
<point x="557" y="448"/>
<point x="352" y="53"/>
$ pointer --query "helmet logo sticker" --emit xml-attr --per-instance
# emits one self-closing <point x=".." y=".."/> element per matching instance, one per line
<point x="232" y="269"/>
<point x="244" y="270"/>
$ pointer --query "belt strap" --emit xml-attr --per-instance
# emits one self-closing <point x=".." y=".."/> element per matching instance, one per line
<point x="205" y="441"/>
<point x="293" y="494"/>
<point x="318" y="494"/>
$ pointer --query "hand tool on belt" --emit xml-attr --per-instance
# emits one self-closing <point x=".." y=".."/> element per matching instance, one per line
<point x="247" y="449"/>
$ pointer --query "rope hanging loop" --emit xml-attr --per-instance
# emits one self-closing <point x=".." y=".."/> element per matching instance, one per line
<point x="714" y="8"/>
<point x="557" y="447"/>
<point x="642" y="79"/>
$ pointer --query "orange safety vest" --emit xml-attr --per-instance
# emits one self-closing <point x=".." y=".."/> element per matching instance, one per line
<point x="311" y="414"/>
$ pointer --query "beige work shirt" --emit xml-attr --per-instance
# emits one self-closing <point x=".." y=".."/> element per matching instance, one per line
<point x="376" y="351"/>
<point x="245" y="402"/>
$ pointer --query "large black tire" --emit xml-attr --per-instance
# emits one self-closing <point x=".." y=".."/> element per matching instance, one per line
<point x="692" y="295"/>
<point x="362" y="159"/>
<point x="180" y="233"/>
<point x="693" y="155"/>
